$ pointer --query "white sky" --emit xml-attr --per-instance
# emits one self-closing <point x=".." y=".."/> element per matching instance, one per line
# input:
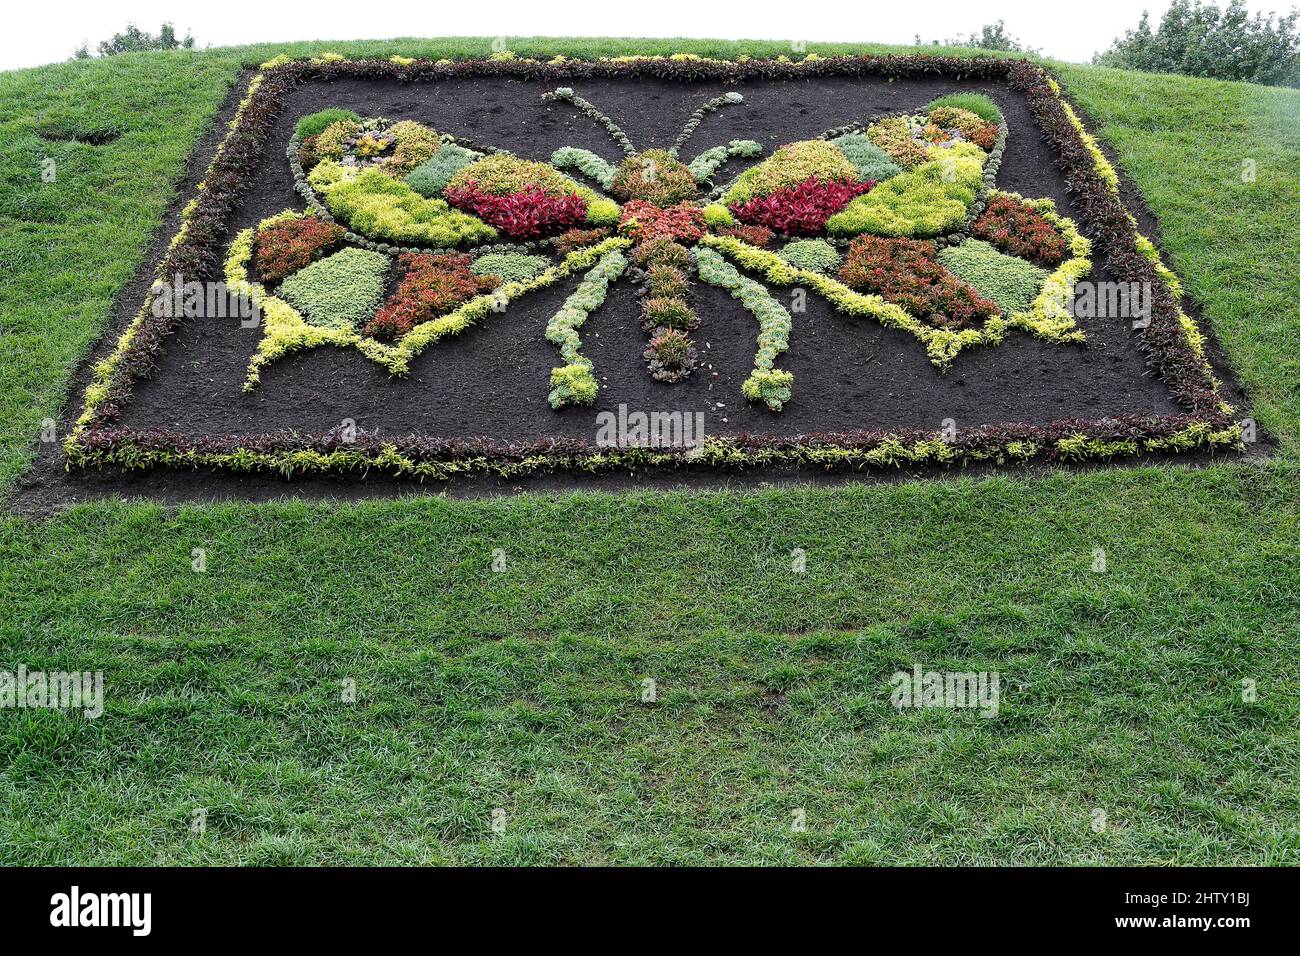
<point x="44" y="32"/>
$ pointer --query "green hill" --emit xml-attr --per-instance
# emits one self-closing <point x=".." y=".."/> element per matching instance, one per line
<point x="522" y="690"/>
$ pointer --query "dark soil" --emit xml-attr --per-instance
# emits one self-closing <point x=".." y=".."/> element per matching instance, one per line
<point x="493" y="380"/>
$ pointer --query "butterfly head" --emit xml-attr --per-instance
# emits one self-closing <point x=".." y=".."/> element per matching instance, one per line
<point x="655" y="176"/>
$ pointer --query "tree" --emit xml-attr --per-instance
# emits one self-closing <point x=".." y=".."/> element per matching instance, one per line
<point x="133" y="38"/>
<point x="1198" y="39"/>
<point x="992" y="36"/>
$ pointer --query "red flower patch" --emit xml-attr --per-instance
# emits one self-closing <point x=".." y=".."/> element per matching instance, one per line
<point x="904" y="272"/>
<point x="430" y="286"/>
<point x="574" y="239"/>
<point x="754" y="235"/>
<point x="527" y="214"/>
<point x="802" y="209"/>
<point x="293" y="244"/>
<point x="644" y="220"/>
<point x="1020" y="230"/>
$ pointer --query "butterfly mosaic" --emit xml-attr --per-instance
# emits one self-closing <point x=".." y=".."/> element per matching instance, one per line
<point x="896" y="220"/>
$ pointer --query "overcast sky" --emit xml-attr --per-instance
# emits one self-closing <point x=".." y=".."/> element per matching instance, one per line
<point x="43" y="32"/>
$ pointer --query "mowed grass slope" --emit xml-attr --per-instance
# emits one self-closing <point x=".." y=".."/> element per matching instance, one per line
<point x="522" y="690"/>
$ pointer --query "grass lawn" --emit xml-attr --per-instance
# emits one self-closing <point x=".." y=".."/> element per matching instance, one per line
<point x="521" y="691"/>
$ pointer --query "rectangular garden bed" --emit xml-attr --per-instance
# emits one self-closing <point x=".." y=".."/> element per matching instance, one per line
<point x="507" y="266"/>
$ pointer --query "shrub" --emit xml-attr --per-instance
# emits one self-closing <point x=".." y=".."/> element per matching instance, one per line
<point x="416" y="144"/>
<point x="1227" y="44"/>
<point x="670" y="356"/>
<point x="661" y="252"/>
<point x="718" y="216"/>
<point x="370" y="144"/>
<point x="992" y="36"/>
<point x="307" y="153"/>
<point x="772" y="387"/>
<point x="328" y="173"/>
<point x="385" y="208"/>
<point x="1009" y="282"/>
<point x="572" y="239"/>
<point x="754" y="235"/>
<point x="502" y="174"/>
<point x="791" y="165"/>
<point x="288" y="245"/>
<point x="817" y="255"/>
<point x="894" y="135"/>
<point x="602" y="211"/>
<point x="510" y="266"/>
<point x="665" y="282"/>
<point x="528" y="213"/>
<point x="133" y="39"/>
<point x="340" y="290"/>
<point x="867" y="158"/>
<point x="653" y="176"/>
<point x="430" y="286"/>
<point x="315" y="123"/>
<point x="1020" y="230"/>
<point x="905" y="272"/>
<point x="643" y="220"/>
<point x="928" y="201"/>
<point x="572" y="385"/>
<point x="977" y="103"/>
<point x="667" y="313"/>
<point x="430" y="178"/>
<point x="334" y="138"/>
<point x="801" y="209"/>
<point x="980" y="132"/>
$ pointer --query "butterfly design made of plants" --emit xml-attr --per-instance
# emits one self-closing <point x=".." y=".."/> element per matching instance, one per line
<point x="896" y="220"/>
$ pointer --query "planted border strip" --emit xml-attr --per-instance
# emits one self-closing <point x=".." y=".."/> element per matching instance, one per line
<point x="293" y="454"/>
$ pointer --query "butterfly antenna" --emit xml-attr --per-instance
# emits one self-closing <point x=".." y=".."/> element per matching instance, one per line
<point x="566" y="95"/>
<point x="698" y="117"/>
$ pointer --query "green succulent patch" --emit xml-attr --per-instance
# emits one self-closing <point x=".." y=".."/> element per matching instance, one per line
<point x="340" y="291"/>
<point x="511" y="266"/>
<point x="1010" y="282"/>
<point x="816" y="255"/>
<point x="430" y="178"/>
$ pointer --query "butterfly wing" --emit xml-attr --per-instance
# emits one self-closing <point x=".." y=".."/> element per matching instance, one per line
<point x="403" y="184"/>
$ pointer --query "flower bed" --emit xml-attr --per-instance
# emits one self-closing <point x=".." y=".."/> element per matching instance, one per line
<point x="893" y="220"/>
